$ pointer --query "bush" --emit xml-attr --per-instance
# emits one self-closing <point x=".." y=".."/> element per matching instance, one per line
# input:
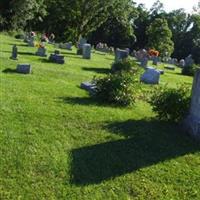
<point x="124" y="65"/>
<point x="171" y="104"/>
<point x="119" y="88"/>
<point x="190" y="70"/>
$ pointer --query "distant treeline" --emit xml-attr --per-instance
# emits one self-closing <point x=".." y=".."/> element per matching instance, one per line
<point x="115" y="22"/>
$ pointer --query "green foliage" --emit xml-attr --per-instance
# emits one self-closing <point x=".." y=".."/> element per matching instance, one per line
<point x="171" y="104"/>
<point x="125" y="65"/>
<point x="189" y="70"/>
<point x="159" y="36"/>
<point x="118" y="88"/>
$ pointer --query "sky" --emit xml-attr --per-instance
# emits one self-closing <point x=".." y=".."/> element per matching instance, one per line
<point x="171" y="4"/>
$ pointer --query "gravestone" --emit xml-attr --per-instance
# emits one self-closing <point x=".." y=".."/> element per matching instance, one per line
<point x="80" y="46"/>
<point x="121" y="54"/>
<point x="189" y="61"/>
<point x="144" y="62"/>
<point x="90" y="87"/>
<point x="86" y="51"/>
<point x="150" y="76"/>
<point x="192" y="122"/>
<point x="31" y="42"/>
<point x="182" y="63"/>
<point x="56" y="58"/>
<point x="155" y="60"/>
<point x="41" y="52"/>
<point x="69" y="46"/>
<point x="14" y="52"/>
<point x="24" y="68"/>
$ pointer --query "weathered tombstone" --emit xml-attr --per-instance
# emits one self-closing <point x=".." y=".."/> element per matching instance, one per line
<point x="14" y="52"/>
<point x="31" y="42"/>
<point x="56" y="58"/>
<point x="155" y="60"/>
<point x="182" y="63"/>
<point x="144" y="62"/>
<point x="90" y="87"/>
<point x="121" y="54"/>
<point x="189" y="61"/>
<point x="24" y="68"/>
<point x="150" y="76"/>
<point x="41" y="52"/>
<point x="86" y="51"/>
<point x="80" y="46"/>
<point x="69" y="46"/>
<point x="192" y="122"/>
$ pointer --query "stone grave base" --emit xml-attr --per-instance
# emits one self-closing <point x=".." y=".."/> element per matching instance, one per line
<point x="24" y="69"/>
<point x="90" y="87"/>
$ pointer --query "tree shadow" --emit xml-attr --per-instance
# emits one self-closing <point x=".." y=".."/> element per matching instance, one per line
<point x="9" y="71"/>
<point x="26" y="53"/>
<point x="147" y="143"/>
<point x="79" y="100"/>
<point x="97" y="70"/>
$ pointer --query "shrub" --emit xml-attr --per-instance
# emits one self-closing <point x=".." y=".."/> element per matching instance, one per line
<point x="124" y="65"/>
<point x="171" y="104"/>
<point x="118" y="88"/>
<point x="190" y="70"/>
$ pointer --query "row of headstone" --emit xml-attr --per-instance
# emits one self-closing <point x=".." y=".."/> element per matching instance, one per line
<point x="67" y="46"/>
<point x="103" y="47"/>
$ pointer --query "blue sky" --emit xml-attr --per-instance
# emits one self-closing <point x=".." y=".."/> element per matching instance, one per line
<point x="172" y="4"/>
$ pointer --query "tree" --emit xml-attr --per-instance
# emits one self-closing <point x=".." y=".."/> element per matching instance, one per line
<point x="159" y="36"/>
<point x="23" y="11"/>
<point x="117" y="30"/>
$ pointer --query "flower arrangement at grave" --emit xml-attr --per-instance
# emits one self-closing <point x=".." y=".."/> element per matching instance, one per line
<point x="153" y="52"/>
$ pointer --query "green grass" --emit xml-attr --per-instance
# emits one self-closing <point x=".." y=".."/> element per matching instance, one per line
<point x="57" y="143"/>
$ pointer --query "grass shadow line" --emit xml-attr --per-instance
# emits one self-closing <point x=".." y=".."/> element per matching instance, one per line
<point x="97" y="70"/>
<point x="9" y="71"/>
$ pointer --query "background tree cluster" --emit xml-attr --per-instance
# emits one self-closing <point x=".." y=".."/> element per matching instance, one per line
<point x="115" y="22"/>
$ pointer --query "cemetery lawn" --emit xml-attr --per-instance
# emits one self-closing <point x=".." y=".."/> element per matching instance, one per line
<point x="57" y="143"/>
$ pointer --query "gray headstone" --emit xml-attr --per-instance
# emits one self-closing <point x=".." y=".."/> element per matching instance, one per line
<point x="121" y="54"/>
<point x="81" y="43"/>
<point x="86" y="51"/>
<point x="189" y="61"/>
<point x="56" y="58"/>
<point x="14" y="53"/>
<point x="182" y="63"/>
<point x="41" y="52"/>
<point x="144" y="62"/>
<point x="150" y="76"/>
<point x="155" y="60"/>
<point x="192" y="122"/>
<point x="31" y="42"/>
<point x="69" y="46"/>
<point x="90" y="87"/>
<point x="24" y="68"/>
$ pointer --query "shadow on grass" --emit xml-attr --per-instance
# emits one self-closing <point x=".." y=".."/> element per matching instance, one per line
<point x="79" y="100"/>
<point x="9" y="71"/>
<point x="26" y="53"/>
<point x="97" y="70"/>
<point x="147" y="143"/>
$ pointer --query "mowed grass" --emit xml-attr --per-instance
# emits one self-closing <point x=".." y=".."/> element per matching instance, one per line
<point x="57" y="143"/>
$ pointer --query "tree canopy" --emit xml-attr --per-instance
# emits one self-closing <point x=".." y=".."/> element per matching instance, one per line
<point x="115" y="22"/>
